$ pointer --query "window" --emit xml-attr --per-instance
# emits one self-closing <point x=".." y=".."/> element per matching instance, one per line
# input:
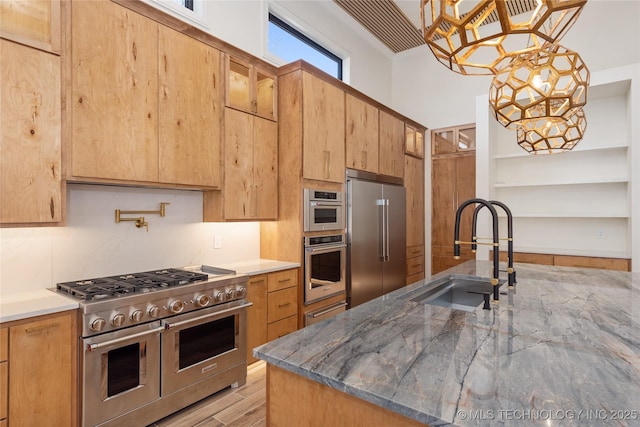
<point x="186" y="3"/>
<point x="290" y="45"/>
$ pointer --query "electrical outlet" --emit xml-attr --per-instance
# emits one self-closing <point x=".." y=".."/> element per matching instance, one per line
<point x="217" y="242"/>
<point x="600" y="234"/>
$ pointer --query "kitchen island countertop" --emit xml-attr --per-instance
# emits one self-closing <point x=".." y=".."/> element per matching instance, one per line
<point x="561" y="348"/>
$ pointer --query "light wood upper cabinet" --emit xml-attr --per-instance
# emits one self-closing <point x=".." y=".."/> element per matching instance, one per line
<point x="250" y="88"/>
<point x="391" y="145"/>
<point x="190" y="111"/>
<point x="361" y="139"/>
<point x="414" y="141"/>
<point x="414" y="184"/>
<point x="323" y="130"/>
<point x="114" y="93"/>
<point x="457" y="139"/>
<point x="33" y="23"/>
<point x="250" y="173"/>
<point x="30" y="153"/>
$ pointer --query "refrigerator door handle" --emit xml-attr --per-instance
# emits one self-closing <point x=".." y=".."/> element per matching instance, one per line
<point x="386" y="231"/>
<point x="382" y="232"/>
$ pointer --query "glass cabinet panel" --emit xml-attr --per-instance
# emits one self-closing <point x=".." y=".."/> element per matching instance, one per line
<point x="239" y="94"/>
<point x="265" y="102"/>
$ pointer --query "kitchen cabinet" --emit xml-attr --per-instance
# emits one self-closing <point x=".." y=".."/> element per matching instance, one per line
<point x="190" y="111"/>
<point x="275" y="307"/>
<point x="323" y="131"/>
<point x="414" y="184"/>
<point x="361" y="139"/>
<point x="250" y="88"/>
<point x="452" y="182"/>
<point x="250" y="190"/>
<point x="391" y="145"/>
<point x="602" y="263"/>
<point x="31" y="189"/>
<point x="145" y="101"/>
<point x="42" y="362"/>
<point x="32" y="23"/>
<point x="414" y="140"/>
<point x="4" y="375"/>
<point x="456" y="139"/>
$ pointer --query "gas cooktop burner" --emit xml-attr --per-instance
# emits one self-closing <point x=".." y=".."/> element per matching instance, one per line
<point x="118" y="286"/>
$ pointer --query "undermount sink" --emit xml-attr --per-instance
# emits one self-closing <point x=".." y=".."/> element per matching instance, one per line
<point x="456" y="292"/>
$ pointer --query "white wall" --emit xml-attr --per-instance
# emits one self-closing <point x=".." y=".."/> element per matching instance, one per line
<point x="93" y="245"/>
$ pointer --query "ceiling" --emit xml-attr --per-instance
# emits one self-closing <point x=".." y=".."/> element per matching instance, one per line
<point x="396" y="23"/>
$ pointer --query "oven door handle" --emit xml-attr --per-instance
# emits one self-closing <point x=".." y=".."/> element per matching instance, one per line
<point x="96" y="346"/>
<point x="169" y="325"/>
<point x="325" y="248"/>
<point x="329" y="310"/>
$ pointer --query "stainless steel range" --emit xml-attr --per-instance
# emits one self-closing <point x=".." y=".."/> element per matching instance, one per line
<point x="157" y="341"/>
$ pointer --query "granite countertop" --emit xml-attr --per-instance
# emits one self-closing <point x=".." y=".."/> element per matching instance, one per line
<point x="22" y="305"/>
<point x="561" y="348"/>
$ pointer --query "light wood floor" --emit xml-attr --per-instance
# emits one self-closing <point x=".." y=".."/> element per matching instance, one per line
<point x="244" y="406"/>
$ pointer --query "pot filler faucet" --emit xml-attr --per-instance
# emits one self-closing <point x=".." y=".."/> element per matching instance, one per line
<point x="496" y="243"/>
<point x="511" y="272"/>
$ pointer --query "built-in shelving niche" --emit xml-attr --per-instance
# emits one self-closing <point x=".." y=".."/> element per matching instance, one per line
<point x="574" y="203"/>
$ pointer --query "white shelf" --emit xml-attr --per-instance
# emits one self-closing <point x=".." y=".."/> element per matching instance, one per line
<point x="553" y="184"/>
<point x="577" y="150"/>
<point x="567" y="215"/>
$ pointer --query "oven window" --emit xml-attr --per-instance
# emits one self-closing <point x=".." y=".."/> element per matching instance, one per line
<point x="202" y="342"/>
<point x="123" y="369"/>
<point x="325" y="216"/>
<point x="326" y="267"/>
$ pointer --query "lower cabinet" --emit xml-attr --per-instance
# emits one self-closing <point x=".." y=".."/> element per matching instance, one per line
<point x="415" y="263"/>
<point x="38" y="372"/>
<point x="274" y="312"/>
<point x="620" y="264"/>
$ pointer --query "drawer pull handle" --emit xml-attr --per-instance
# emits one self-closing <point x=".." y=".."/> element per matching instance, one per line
<point x="284" y="305"/>
<point x="284" y="280"/>
<point x="40" y="328"/>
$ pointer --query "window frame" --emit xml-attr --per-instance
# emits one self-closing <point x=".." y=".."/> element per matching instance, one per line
<point x="285" y="26"/>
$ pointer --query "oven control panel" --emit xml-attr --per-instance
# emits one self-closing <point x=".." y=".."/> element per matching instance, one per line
<point x="137" y="309"/>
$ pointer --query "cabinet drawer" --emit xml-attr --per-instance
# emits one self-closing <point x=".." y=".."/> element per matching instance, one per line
<point x="283" y="279"/>
<point x="415" y="277"/>
<point x="413" y="251"/>
<point x="282" y="304"/>
<point x="592" y="262"/>
<point x="415" y="265"/>
<point x="281" y="328"/>
<point x="4" y="389"/>
<point x="4" y="344"/>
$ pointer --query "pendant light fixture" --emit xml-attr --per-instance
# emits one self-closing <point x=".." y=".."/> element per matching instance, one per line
<point x="546" y="85"/>
<point x="554" y="136"/>
<point x="480" y="36"/>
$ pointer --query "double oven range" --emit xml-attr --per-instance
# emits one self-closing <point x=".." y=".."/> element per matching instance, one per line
<point x="155" y="342"/>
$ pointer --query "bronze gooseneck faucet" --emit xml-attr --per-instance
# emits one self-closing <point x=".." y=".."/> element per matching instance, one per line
<point x="496" y="243"/>
<point x="511" y="272"/>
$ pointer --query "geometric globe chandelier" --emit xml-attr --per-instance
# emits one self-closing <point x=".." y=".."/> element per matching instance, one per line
<point x="536" y="88"/>
<point x="555" y="136"/>
<point x="481" y="36"/>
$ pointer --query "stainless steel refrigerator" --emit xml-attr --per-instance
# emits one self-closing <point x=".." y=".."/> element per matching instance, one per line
<point x="376" y="236"/>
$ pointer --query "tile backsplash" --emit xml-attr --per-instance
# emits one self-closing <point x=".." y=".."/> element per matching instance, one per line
<point x="93" y="245"/>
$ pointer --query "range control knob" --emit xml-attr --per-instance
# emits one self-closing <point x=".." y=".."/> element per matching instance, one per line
<point x="203" y="300"/>
<point x="241" y="291"/>
<point x="219" y="295"/>
<point x="231" y="292"/>
<point x="136" y="315"/>
<point x="176" y="306"/>
<point x="153" y="311"/>
<point x="118" y="320"/>
<point x="97" y="324"/>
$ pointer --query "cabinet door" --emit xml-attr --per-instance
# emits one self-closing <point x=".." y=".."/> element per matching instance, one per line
<point x="391" y="145"/>
<point x="361" y="139"/>
<point x="30" y="156"/>
<point x="238" y="165"/>
<point x="443" y="185"/>
<point x="33" y="23"/>
<point x="256" y="314"/>
<point x="114" y="93"/>
<point x="41" y="374"/>
<point x="190" y="111"/>
<point x="465" y="190"/>
<point x="323" y="130"/>
<point x="265" y="168"/>
<point x="414" y="182"/>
